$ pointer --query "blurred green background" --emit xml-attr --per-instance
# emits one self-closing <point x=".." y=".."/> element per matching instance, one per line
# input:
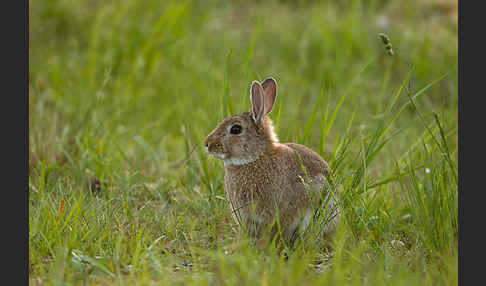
<point x="126" y="91"/>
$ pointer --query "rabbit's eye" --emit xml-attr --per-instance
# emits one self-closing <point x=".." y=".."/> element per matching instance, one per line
<point x="235" y="129"/>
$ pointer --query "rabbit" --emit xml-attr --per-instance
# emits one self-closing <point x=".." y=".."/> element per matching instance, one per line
<point x="266" y="180"/>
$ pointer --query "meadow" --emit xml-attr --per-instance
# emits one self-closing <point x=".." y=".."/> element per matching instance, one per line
<point x="123" y="93"/>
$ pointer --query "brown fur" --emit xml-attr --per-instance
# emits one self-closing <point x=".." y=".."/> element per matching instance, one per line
<point x="265" y="179"/>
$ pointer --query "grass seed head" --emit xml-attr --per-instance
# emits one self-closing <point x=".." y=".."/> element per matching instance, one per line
<point x="386" y="41"/>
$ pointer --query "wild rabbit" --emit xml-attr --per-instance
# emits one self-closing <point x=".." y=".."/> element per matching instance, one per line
<point x="266" y="180"/>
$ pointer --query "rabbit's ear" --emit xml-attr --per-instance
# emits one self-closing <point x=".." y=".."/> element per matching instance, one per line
<point x="257" y="107"/>
<point x="269" y="93"/>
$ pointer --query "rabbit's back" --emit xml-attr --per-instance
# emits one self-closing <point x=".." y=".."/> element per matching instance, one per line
<point x="315" y="167"/>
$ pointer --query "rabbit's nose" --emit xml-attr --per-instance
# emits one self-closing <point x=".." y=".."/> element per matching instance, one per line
<point x="209" y="142"/>
<point x="206" y="142"/>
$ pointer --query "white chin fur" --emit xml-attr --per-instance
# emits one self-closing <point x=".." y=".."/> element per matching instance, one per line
<point x="237" y="161"/>
<point x="231" y="161"/>
<point x="219" y="156"/>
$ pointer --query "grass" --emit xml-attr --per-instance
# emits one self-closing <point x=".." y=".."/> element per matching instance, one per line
<point x="126" y="91"/>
